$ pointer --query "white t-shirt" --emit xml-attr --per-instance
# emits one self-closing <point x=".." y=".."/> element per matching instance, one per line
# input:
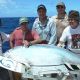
<point x="61" y="24"/>
<point x="72" y="36"/>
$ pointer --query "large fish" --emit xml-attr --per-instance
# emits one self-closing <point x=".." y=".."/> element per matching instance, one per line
<point x="42" y="55"/>
<point x="39" y="59"/>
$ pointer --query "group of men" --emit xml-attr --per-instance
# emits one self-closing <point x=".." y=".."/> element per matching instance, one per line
<point x="48" y="30"/>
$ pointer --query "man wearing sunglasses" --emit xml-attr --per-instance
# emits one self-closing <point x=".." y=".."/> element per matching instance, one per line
<point x="61" y="19"/>
<point x="71" y="34"/>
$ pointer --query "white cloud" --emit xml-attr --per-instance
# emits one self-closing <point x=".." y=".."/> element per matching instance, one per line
<point x="8" y="3"/>
<point x="2" y="1"/>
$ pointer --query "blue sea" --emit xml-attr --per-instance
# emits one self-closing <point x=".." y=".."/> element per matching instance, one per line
<point x="7" y="25"/>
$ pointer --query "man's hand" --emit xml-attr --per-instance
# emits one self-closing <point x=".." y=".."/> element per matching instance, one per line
<point x="61" y="44"/>
<point x="26" y="43"/>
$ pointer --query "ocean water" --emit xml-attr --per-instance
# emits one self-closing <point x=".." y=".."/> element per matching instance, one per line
<point x="7" y="25"/>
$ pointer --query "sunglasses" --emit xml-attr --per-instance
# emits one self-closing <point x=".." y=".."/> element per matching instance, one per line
<point x="58" y="7"/>
<point x="71" y="19"/>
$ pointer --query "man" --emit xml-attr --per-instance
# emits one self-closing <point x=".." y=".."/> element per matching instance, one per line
<point x="71" y="34"/>
<point x="61" y="19"/>
<point x="23" y="36"/>
<point x="44" y="26"/>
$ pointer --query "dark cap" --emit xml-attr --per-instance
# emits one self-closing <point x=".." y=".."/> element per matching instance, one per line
<point x="60" y="4"/>
<point x="41" y="6"/>
<point x="73" y="14"/>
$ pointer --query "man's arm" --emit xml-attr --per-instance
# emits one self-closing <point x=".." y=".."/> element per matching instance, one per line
<point x="63" y="39"/>
<point x="36" y="27"/>
<point x="37" y="38"/>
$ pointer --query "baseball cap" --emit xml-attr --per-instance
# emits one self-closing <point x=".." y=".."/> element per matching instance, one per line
<point x="41" y="6"/>
<point x="23" y="19"/>
<point x="73" y="14"/>
<point x="60" y="4"/>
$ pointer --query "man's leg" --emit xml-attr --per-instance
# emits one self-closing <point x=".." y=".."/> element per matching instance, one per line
<point x="16" y="76"/>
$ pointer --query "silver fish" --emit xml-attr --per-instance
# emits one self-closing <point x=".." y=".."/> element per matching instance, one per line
<point x="43" y="55"/>
<point x="43" y="58"/>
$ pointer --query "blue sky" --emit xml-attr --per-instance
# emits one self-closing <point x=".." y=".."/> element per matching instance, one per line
<point x="18" y="8"/>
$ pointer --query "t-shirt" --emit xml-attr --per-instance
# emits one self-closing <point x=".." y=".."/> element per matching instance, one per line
<point x="72" y="36"/>
<point x="61" y="24"/>
<point x="18" y="36"/>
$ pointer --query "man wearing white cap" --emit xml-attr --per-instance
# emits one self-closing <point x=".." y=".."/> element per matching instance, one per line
<point x="22" y="35"/>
